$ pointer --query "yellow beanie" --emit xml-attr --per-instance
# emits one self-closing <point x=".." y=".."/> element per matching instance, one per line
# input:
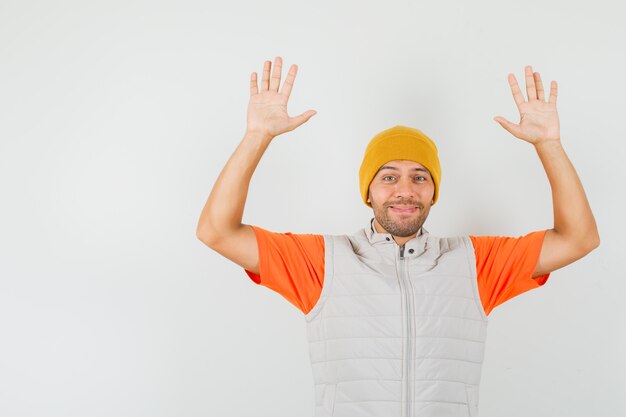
<point x="398" y="142"/>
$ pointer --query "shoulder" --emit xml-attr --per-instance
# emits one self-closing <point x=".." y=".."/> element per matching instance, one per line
<point x="288" y="238"/>
<point x="450" y="243"/>
<point x="507" y="243"/>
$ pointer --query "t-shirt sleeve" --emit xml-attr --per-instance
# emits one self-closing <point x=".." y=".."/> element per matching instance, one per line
<point x="505" y="266"/>
<point x="292" y="265"/>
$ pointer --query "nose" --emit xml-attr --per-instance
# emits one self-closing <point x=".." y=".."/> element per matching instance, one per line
<point x="405" y="188"/>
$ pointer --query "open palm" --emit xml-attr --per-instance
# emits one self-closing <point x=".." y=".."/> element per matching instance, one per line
<point x="539" y="120"/>
<point x="267" y="108"/>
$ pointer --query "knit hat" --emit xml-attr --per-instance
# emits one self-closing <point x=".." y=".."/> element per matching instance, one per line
<point x="398" y="142"/>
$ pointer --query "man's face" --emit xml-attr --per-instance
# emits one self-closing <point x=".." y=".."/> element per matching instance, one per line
<point x="401" y="194"/>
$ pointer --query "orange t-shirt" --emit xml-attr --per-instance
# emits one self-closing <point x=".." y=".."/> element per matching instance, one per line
<point x="293" y="266"/>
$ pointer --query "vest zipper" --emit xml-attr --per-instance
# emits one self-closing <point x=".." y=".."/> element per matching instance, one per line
<point x="405" y="286"/>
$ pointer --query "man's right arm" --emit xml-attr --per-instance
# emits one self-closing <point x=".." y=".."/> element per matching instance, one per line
<point x="219" y="226"/>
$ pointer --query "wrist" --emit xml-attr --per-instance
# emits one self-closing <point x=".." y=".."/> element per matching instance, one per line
<point x="258" y="136"/>
<point x="549" y="144"/>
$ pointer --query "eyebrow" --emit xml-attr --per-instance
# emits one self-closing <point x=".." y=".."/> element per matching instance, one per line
<point x="396" y="169"/>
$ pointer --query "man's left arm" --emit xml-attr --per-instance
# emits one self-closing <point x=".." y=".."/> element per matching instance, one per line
<point x="575" y="233"/>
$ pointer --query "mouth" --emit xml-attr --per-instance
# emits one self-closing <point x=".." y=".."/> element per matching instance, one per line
<point x="403" y="209"/>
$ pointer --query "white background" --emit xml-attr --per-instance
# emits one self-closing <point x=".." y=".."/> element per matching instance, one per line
<point x="116" y="118"/>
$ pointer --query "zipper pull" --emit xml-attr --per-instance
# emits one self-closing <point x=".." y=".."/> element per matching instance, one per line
<point x="402" y="251"/>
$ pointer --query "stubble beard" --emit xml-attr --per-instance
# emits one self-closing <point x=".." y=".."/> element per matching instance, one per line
<point x="401" y="226"/>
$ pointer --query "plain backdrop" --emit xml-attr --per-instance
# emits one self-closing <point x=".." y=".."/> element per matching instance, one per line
<point x="116" y="118"/>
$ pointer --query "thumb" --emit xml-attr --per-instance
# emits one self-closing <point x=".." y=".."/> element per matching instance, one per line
<point x="509" y="126"/>
<point x="296" y="121"/>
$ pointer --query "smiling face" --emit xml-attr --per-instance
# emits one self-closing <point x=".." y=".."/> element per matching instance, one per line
<point x="401" y="194"/>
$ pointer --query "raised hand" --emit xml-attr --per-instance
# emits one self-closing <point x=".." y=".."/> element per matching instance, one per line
<point x="539" y="120"/>
<point x="267" y="109"/>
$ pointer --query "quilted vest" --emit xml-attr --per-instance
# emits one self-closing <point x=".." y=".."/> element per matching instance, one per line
<point x="398" y="331"/>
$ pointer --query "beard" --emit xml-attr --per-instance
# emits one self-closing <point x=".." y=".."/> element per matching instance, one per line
<point x="401" y="225"/>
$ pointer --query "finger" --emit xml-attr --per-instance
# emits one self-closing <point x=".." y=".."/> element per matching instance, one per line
<point x="515" y="90"/>
<point x="275" y="80"/>
<point x="254" y="88"/>
<point x="530" y="84"/>
<point x="294" y="122"/>
<point x="289" y="80"/>
<point x="553" y="92"/>
<point x="509" y="126"/>
<point x="265" y="80"/>
<point x="538" y="85"/>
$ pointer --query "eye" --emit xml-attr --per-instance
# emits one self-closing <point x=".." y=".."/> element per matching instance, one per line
<point x="420" y="178"/>
<point x="388" y="176"/>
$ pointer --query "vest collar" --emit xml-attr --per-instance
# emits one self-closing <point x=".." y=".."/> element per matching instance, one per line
<point x="413" y="247"/>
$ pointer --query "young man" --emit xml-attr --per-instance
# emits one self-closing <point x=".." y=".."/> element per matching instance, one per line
<point x="396" y="317"/>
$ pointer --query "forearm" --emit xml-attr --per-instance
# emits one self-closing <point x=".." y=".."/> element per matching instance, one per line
<point x="224" y="208"/>
<point x="573" y="219"/>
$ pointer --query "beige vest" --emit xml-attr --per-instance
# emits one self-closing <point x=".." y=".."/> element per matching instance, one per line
<point x="398" y="331"/>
